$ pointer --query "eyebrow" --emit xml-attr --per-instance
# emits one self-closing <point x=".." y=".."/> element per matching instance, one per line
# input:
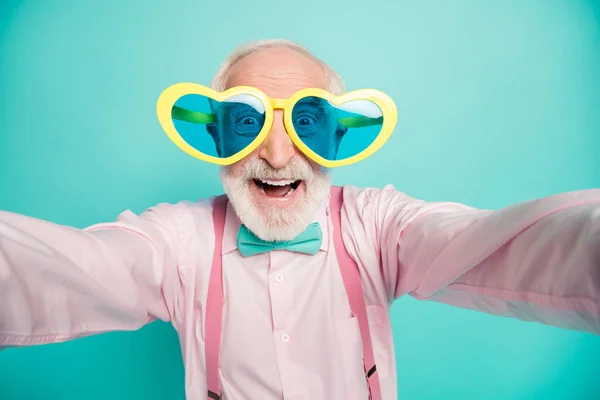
<point x="235" y="105"/>
<point x="312" y="101"/>
<point x="234" y="110"/>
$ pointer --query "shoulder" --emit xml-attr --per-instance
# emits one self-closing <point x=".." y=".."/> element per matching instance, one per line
<point x="377" y="201"/>
<point x="173" y="213"/>
<point x="388" y="207"/>
<point x="177" y="220"/>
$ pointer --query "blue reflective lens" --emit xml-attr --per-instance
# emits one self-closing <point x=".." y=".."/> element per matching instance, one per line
<point x="336" y="132"/>
<point x="218" y="129"/>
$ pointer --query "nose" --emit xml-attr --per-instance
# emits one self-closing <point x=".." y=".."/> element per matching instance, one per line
<point x="277" y="149"/>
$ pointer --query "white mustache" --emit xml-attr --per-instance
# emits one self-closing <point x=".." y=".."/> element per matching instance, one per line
<point x="295" y="170"/>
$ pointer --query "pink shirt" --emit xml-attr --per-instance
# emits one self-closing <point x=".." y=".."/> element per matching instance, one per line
<point x="287" y="326"/>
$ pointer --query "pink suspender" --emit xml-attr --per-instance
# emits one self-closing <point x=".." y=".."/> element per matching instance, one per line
<point x="356" y="298"/>
<point x="214" y="303"/>
<point x="350" y="276"/>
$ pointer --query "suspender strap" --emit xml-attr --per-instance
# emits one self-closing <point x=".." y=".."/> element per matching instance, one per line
<point x="350" y="276"/>
<point x="214" y="303"/>
<point x="352" y="283"/>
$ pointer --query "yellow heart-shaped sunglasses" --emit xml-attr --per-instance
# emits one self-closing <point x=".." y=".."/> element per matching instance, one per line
<point x="224" y="127"/>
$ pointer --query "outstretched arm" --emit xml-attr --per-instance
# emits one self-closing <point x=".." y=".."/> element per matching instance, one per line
<point x="58" y="283"/>
<point x="538" y="260"/>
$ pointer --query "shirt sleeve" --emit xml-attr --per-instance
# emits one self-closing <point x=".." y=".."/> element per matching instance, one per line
<point x="537" y="260"/>
<point x="59" y="283"/>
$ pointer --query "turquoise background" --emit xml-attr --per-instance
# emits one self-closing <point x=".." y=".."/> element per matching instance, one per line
<point x="499" y="102"/>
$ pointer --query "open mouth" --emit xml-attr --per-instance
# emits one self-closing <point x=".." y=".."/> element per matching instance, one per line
<point x="277" y="188"/>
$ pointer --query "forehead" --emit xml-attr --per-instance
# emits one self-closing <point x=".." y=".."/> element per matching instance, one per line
<point x="279" y="72"/>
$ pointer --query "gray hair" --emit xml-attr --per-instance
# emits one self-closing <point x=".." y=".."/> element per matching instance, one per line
<point x="335" y="83"/>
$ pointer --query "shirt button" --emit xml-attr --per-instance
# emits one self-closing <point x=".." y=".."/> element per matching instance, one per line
<point x="278" y="277"/>
<point x="285" y="337"/>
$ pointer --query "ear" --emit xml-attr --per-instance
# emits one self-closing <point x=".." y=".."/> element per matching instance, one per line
<point x="213" y="131"/>
<point x="340" y="131"/>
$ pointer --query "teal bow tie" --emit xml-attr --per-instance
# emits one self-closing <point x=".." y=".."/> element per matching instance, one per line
<point x="308" y="242"/>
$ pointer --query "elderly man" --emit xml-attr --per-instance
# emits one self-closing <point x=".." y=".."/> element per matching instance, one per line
<point x="281" y="290"/>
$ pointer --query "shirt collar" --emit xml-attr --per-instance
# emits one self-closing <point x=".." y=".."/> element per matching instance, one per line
<point x="232" y="226"/>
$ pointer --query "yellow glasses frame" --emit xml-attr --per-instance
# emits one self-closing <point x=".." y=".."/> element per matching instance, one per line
<point x="169" y="96"/>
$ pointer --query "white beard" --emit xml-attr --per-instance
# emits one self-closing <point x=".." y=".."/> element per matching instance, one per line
<point x="272" y="223"/>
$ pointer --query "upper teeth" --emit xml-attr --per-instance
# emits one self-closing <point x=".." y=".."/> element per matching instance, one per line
<point x="277" y="183"/>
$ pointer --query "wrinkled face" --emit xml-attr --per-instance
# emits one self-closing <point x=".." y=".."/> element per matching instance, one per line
<point x="276" y="190"/>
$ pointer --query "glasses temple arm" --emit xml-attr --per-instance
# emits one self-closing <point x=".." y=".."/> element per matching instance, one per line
<point x="360" y="122"/>
<point x="195" y="117"/>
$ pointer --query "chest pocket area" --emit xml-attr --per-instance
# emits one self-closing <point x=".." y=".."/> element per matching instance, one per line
<point x="351" y="352"/>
